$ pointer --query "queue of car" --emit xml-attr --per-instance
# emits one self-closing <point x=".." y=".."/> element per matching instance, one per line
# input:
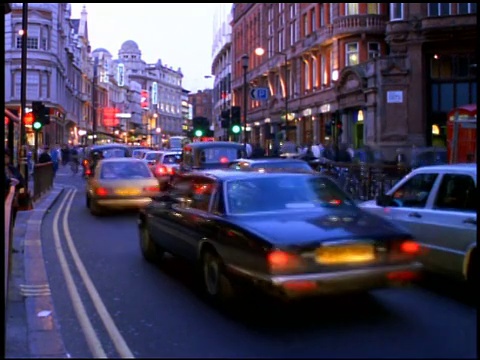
<point x="278" y="226"/>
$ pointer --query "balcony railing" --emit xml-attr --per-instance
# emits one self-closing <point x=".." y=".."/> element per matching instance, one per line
<point x="359" y="23"/>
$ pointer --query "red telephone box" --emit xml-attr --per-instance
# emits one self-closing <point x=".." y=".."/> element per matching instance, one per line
<point x="462" y="134"/>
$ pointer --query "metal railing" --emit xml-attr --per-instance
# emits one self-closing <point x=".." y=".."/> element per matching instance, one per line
<point x="43" y="175"/>
<point x="363" y="181"/>
<point x="9" y="232"/>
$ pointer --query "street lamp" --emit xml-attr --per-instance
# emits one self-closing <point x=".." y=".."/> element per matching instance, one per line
<point x="245" y="59"/>
<point x="260" y="51"/>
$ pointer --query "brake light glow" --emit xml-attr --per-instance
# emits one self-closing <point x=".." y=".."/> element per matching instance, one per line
<point x="410" y="247"/>
<point x="152" y="188"/>
<point x="101" y="191"/>
<point x="223" y="160"/>
<point x="163" y="170"/>
<point x="282" y="260"/>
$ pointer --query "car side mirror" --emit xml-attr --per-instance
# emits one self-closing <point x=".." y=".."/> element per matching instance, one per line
<point x="384" y="200"/>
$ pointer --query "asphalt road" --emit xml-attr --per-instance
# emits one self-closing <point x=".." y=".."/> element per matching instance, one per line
<point x="147" y="311"/>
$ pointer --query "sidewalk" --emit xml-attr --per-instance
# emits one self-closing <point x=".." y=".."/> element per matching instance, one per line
<point x="31" y="327"/>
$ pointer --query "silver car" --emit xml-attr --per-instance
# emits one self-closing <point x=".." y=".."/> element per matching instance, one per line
<point x="437" y="204"/>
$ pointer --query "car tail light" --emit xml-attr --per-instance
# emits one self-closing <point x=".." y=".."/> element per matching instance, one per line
<point x="101" y="191"/>
<point x="155" y="188"/>
<point x="161" y="170"/>
<point x="171" y="171"/>
<point x="85" y="162"/>
<point x="279" y="260"/>
<point x="88" y="171"/>
<point x="410" y="247"/>
<point x="300" y="285"/>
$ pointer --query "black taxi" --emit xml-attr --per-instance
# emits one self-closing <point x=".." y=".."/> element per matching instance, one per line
<point x="210" y="155"/>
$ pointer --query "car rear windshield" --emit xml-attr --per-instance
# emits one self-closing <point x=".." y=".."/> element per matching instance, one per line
<point x="172" y="159"/>
<point x="113" y="153"/>
<point x="216" y="155"/>
<point x="124" y="170"/>
<point x="283" y="193"/>
<point x="151" y="156"/>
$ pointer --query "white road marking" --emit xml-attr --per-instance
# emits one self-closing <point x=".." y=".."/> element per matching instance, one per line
<point x="90" y="335"/>
<point x="117" y="338"/>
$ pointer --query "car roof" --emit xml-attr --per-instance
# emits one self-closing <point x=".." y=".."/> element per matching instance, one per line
<point x="172" y="152"/>
<point x="106" y="146"/>
<point x="122" y="159"/>
<point x="472" y="168"/>
<point x="207" y="144"/>
<point x="229" y="174"/>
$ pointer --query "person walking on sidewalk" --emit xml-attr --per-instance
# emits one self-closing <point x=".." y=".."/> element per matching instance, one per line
<point x="44" y="156"/>
<point x="11" y="172"/>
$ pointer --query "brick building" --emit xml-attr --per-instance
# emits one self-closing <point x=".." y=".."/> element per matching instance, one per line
<point x="388" y="72"/>
<point x="202" y="103"/>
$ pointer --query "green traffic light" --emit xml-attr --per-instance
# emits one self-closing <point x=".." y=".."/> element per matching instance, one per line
<point x="236" y="129"/>
<point x="198" y="133"/>
<point x="37" y="125"/>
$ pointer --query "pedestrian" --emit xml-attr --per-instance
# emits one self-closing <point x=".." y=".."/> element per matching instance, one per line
<point x="11" y="172"/>
<point x="54" y="154"/>
<point x="45" y="156"/>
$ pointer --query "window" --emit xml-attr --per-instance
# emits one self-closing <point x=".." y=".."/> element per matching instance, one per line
<point x="415" y="192"/>
<point x="306" y="75"/>
<point x="293" y="32"/>
<point x="373" y="8"/>
<point x="396" y="11"/>
<point x="313" y="20"/>
<point x="281" y="40"/>
<point x="373" y="50"/>
<point x="351" y="9"/>
<point x="466" y="8"/>
<point x="457" y="192"/>
<point x="44" y="86"/>
<point x="193" y="193"/>
<point x="323" y="70"/>
<point x="281" y="14"/>
<point x="305" y="24"/>
<point x="315" y="79"/>
<point x="321" y="15"/>
<point x="438" y="9"/>
<point x="351" y="53"/>
<point x="33" y="85"/>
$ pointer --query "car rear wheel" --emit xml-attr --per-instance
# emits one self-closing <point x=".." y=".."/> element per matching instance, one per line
<point x="216" y="284"/>
<point x="95" y="209"/>
<point x="150" y="251"/>
<point x="472" y="274"/>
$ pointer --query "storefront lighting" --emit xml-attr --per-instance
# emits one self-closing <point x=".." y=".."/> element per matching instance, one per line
<point x="435" y="130"/>
<point x="335" y="75"/>
<point x="82" y="132"/>
<point x="360" y="116"/>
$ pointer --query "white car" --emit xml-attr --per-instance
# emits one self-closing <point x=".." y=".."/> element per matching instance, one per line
<point x="437" y="204"/>
<point x="152" y="157"/>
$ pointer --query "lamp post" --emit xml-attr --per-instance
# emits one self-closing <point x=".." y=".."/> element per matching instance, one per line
<point x="260" y="51"/>
<point x="245" y="59"/>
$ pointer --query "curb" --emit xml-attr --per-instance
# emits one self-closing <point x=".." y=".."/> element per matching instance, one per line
<point x="44" y="338"/>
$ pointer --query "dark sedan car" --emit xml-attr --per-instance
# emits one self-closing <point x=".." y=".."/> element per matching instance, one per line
<point x="271" y="164"/>
<point x="289" y="234"/>
<point x="209" y="155"/>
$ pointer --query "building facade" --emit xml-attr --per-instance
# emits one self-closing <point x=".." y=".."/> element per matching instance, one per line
<point x="386" y="73"/>
<point x="202" y="104"/>
<point x="187" y="113"/>
<point x="57" y="67"/>
<point x="221" y="66"/>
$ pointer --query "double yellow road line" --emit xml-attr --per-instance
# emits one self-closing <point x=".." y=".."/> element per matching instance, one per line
<point x="91" y="336"/>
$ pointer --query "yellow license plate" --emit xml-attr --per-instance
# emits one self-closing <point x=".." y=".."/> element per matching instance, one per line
<point x="345" y="254"/>
<point x="127" y="192"/>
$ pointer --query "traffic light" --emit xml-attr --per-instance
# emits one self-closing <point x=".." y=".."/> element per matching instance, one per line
<point x="225" y="116"/>
<point x="201" y="126"/>
<point x="235" y="121"/>
<point x="41" y="115"/>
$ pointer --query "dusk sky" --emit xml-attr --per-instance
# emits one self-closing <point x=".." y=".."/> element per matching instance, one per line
<point x="181" y="35"/>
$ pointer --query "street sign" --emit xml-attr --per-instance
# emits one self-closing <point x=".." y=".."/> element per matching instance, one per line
<point x="259" y="93"/>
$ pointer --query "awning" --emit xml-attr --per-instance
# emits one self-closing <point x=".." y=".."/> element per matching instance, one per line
<point x="12" y="116"/>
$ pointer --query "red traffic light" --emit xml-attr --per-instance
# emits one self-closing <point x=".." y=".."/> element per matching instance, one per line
<point x="29" y="118"/>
